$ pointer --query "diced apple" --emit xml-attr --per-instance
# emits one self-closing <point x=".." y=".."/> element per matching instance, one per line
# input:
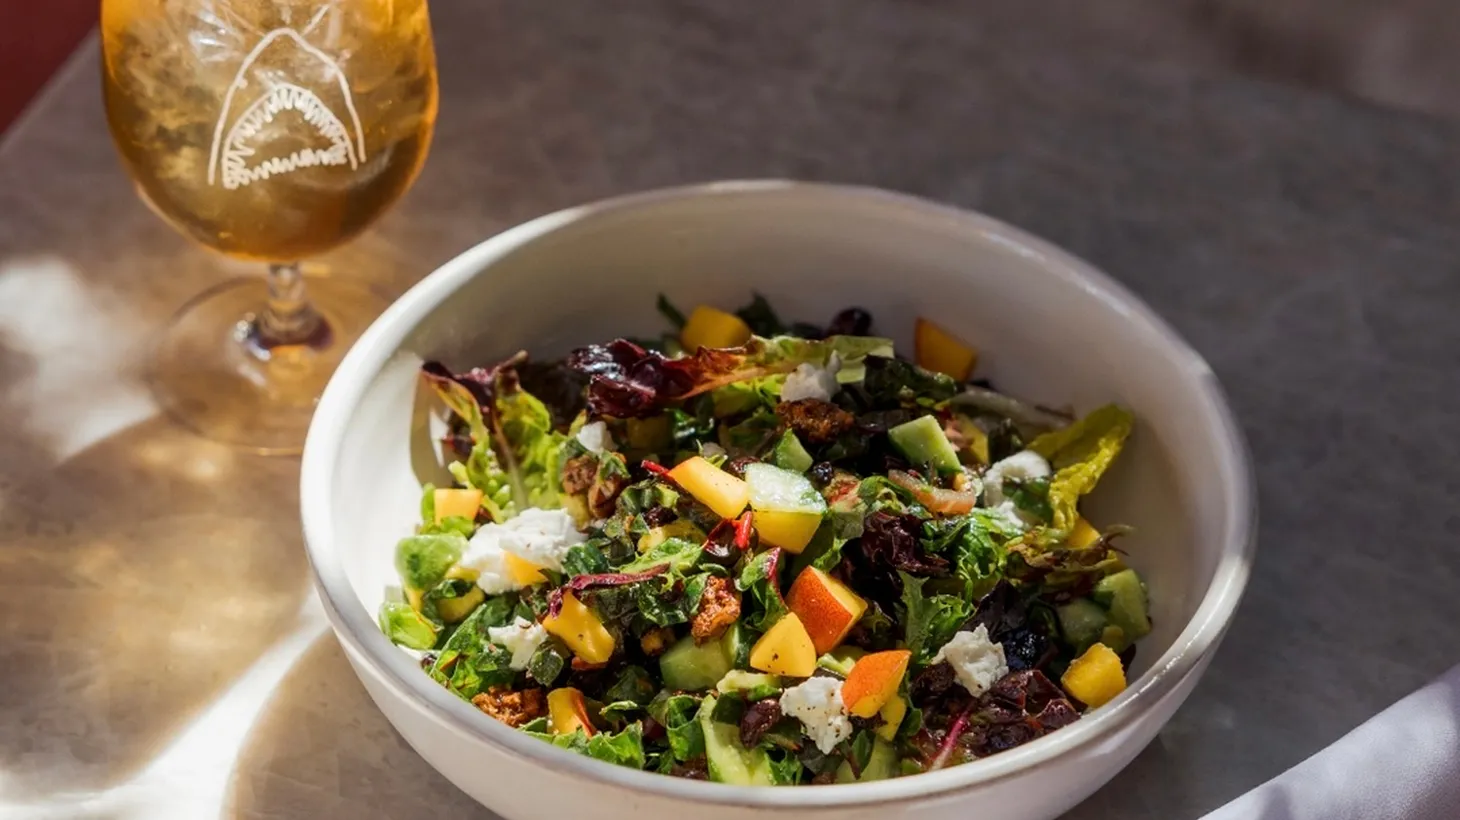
<point x="874" y="681"/>
<point x="785" y="649"/>
<point x="826" y="606"/>
<point x="1082" y="534"/>
<point x="581" y="630"/>
<point x="938" y="350"/>
<point x="463" y="503"/>
<point x="522" y="571"/>
<point x="1095" y="677"/>
<point x="791" y="531"/>
<point x="708" y="327"/>
<point x="723" y="493"/>
<point x="892" y="714"/>
<point x="567" y="712"/>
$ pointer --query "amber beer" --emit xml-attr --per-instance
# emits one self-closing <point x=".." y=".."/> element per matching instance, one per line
<point x="270" y="129"/>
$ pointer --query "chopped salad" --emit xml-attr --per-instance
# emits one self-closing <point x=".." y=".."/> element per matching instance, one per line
<point x="767" y="554"/>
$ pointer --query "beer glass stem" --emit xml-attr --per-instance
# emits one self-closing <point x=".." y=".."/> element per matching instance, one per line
<point x="288" y="318"/>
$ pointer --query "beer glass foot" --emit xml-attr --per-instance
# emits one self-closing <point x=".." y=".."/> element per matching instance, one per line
<point x="215" y="371"/>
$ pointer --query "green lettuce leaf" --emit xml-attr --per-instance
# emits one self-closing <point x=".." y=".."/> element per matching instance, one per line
<point x="975" y="543"/>
<point x="1080" y="454"/>
<point x="624" y="748"/>
<point x="422" y="560"/>
<point x="929" y="620"/>
<point x="760" y="579"/>
<point x="676" y="713"/>
<point x="406" y="627"/>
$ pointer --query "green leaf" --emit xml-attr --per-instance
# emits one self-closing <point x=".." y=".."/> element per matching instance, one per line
<point x="862" y="749"/>
<point x="528" y="428"/>
<point x="1031" y="497"/>
<point x="406" y="627"/>
<point x="633" y="684"/>
<point x="892" y="382"/>
<point x="624" y="748"/>
<point x="620" y="712"/>
<point x="931" y="620"/>
<point x="583" y="559"/>
<point x="760" y="580"/>
<point x="786" y="769"/>
<point x="752" y="436"/>
<point x="455" y="664"/>
<point x="976" y="545"/>
<point x="1080" y="454"/>
<point x="547" y="663"/>
<point x="761" y="317"/>
<point x="679" y="554"/>
<point x="422" y="560"/>
<point x="671" y="313"/>
<point x="660" y="604"/>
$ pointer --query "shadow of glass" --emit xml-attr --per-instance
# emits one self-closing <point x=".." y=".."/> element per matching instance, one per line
<point x="138" y="580"/>
<point x="321" y="749"/>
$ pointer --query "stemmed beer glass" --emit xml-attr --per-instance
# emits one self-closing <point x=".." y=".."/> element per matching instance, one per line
<point x="270" y="131"/>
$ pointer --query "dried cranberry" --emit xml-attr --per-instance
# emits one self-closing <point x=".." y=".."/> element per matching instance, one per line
<point x="850" y="322"/>
<point x="758" y="719"/>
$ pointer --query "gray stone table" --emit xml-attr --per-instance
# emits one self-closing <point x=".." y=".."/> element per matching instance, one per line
<point x="160" y="651"/>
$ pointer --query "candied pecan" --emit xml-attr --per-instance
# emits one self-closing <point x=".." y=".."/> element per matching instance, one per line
<point x="512" y="707"/>
<point x="604" y="493"/>
<point x="815" y="420"/>
<point x="656" y="640"/>
<point x="578" y="474"/>
<point x="719" y="608"/>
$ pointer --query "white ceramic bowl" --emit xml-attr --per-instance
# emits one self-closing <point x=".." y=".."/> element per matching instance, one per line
<point x="1051" y="328"/>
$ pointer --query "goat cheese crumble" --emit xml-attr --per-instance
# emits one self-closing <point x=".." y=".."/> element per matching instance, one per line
<point x="538" y="536"/>
<point x="977" y="661"/>
<point x="595" y="438"/>
<point x="521" y="637"/>
<point x="817" y="703"/>
<point x="808" y="381"/>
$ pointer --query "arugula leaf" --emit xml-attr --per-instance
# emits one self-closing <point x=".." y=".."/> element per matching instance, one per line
<point x="930" y="621"/>
<point x="422" y="560"/>
<point x="1080" y="454"/>
<point x="760" y="578"/>
<point x="406" y="627"/>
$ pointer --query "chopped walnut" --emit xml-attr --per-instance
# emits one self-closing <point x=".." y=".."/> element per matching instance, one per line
<point x="815" y="420"/>
<point x="656" y="640"/>
<point x="604" y="493"/>
<point x="512" y="707"/>
<point x="719" y="608"/>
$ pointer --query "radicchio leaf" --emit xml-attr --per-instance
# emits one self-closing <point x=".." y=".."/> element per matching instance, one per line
<point x="628" y="381"/>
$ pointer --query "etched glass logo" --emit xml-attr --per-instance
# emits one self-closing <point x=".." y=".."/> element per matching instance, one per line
<point x="254" y="139"/>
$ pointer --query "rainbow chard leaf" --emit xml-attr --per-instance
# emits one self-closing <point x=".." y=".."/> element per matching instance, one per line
<point x="629" y="381"/>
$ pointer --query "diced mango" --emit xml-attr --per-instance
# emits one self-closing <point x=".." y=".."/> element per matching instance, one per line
<point x="791" y="531"/>
<point x="567" y="712"/>
<point x="1082" y="534"/>
<point x="827" y="608"/>
<point x="581" y="630"/>
<point x="708" y="327"/>
<point x="892" y="714"/>
<point x="522" y="571"/>
<point x="1095" y="677"/>
<point x="937" y="350"/>
<point x="723" y="493"/>
<point x="449" y="502"/>
<point x="455" y="610"/>
<point x="874" y="681"/>
<point x="459" y="572"/>
<point x="785" y="649"/>
<point x="414" y="597"/>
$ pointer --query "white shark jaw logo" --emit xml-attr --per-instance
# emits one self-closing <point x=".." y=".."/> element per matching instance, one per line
<point x="232" y="159"/>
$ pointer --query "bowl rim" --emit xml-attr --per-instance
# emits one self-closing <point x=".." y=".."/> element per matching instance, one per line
<point x="361" y="636"/>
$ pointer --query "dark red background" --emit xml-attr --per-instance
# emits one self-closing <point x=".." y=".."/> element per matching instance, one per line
<point x="36" y="36"/>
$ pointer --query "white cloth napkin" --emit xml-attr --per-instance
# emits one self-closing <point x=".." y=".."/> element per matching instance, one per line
<point x="1403" y="763"/>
